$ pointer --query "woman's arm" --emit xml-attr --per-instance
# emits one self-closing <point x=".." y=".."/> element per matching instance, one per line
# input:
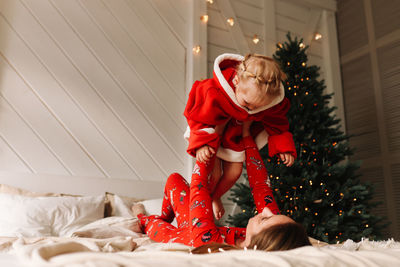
<point x="257" y="174"/>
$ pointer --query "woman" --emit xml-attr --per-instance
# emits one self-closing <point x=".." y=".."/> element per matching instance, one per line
<point x="192" y="207"/>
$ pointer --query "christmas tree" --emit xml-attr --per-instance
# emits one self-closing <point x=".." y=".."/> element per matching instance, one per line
<point x="321" y="190"/>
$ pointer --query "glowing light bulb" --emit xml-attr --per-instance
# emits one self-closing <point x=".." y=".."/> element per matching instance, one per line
<point x="256" y="39"/>
<point x="231" y="21"/>
<point x="317" y="36"/>
<point x="196" y="49"/>
<point x="204" y="18"/>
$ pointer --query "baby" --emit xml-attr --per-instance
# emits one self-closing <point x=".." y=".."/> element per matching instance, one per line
<point x="242" y="89"/>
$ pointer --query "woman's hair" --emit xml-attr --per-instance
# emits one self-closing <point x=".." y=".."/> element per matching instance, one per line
<point x="277" y="237"/>
<point x="267" y="71"/>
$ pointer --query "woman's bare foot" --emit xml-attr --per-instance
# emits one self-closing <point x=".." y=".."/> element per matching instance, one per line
<point x="137" y="208"/>
<point x="218" y="208"/>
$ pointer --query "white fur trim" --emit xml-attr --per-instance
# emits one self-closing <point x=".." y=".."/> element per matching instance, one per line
<point x="234" y="156"/>
<point x="186" y="135"/>
<point x="208" y="130"/>
<point x="230" y="155"/>
<point x="228" y="89"/>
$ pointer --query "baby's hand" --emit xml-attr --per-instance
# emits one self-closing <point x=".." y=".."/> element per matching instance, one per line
<point x="287" y="159"/>
<point x="204" y="153"/>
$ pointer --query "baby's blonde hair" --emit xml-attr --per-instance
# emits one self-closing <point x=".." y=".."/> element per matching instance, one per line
<point x="267" y="71"/>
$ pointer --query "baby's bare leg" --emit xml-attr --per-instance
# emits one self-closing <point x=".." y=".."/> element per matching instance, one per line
<point x="231" y="173"/>
<point x="215" y="175"/>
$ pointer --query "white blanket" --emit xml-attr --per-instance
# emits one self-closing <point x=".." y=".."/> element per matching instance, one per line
<point x="133" y="249"/>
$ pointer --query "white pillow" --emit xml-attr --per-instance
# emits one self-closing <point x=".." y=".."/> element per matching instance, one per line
<point x="47" y="216"/>
<point x="152" y="206"/>
<point x="121" y="208"/>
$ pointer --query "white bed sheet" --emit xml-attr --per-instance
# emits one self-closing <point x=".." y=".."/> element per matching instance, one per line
<point x="114" y="242"/>
<point x="10" y="260"/>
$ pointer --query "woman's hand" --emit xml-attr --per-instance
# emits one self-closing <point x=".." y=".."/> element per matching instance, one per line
<point x="204" y="153"/>
<point x="246" y="128"/>
<point x="287" y="159"/>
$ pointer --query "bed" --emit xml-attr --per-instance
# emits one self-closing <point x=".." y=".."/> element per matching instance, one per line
<point x="54" y="229"/>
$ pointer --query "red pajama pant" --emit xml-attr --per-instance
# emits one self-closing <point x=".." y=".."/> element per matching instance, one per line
<point x="192" y="205"/>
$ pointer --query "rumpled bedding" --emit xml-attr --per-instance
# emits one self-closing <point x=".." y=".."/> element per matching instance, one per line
<point x="117" y="241"/>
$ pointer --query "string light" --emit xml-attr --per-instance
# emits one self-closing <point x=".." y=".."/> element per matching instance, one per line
<point x="331" y="204"/>
<point x="354" y="199"/>
<point x="301" y="45"/>
<point x="280" y="45"/>
<point x="316" y="214"/>
<point x="367" y="225"/>
<point x="231" y="21"/>
<point x="197" y="49"/>
<point x="317" y="36"/>
<point x="334" y="144"/>
<point x="204" y="18"/>
<point x="303" y="64"/>
<point x="288" y="63"/>
<point x="210" y="1"/>
<point x="256" y="39"/>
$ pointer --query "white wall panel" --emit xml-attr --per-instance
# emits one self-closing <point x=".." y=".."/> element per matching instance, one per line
<point x="174" y="17"/>
<point x="149" y="45"/>
<point x="93" y="88"/>
<point x="20" y="96"/>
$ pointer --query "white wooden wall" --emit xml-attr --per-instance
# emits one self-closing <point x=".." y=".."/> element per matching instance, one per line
<point x="93" y="88"/>
<point x="270" y="20"/>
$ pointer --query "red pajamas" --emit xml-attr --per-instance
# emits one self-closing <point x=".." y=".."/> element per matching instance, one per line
<point x="193" y="209"/>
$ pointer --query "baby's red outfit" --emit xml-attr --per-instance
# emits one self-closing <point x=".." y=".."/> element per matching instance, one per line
<point x="212" y="101"/>
<point x="193" y="209"/>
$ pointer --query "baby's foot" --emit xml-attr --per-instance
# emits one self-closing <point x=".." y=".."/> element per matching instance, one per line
<point x="218" y="208"/>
